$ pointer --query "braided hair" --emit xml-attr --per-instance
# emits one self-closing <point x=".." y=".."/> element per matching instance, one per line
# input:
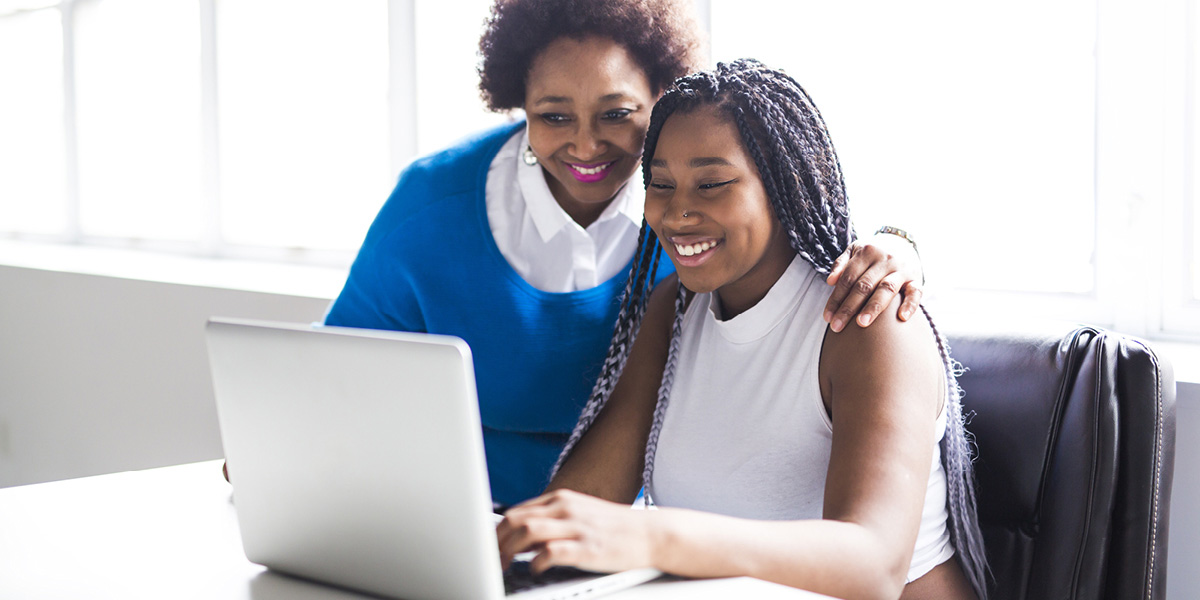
<point x="787" y="138"/>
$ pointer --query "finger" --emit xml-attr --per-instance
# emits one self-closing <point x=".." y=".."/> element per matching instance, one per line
<point x="534" y="533"/>
<point x="850" y="272"/>
<point x="840" y="263"/>
<point x="557" y="553"/>
<point x="861" y="289"/>
<point x="912" y="293"/>
<point x="542" y="500"/>
<point x="883" y="295"/>
<point x="540" y="531"/>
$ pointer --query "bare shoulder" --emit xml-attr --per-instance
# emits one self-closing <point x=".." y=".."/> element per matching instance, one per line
<point x="886" y="329"/>
<point x="889" y="352"/>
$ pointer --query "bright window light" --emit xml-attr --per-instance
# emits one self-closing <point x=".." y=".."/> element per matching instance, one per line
<point x="303" y="121"/>
<point x="138" y="105"/>
<point x="447" y="84"/>
<point x="32" y="165"/>
<point x="970" y="124"/>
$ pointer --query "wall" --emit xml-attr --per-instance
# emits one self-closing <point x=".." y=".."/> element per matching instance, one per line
<point x="101" y="374"/>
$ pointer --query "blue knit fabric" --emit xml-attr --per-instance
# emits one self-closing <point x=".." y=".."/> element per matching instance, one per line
<point x="430" y="264"/>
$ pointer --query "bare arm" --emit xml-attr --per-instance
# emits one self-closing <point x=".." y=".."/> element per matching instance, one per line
<point x="884" y="388"/>
<point x="883" y="385"/>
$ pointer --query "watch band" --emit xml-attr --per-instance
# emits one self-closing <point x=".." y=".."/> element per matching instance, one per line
<point x="896" y="231"/>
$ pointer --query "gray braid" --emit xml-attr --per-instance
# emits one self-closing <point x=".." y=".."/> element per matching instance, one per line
<point x="957" y="456"/>
<point x="664" y="391"/>
<point x="643" y="270"/>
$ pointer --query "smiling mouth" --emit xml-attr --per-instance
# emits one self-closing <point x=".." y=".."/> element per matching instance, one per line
<point x="695" y="249"/>
<point x="590" y="173"/>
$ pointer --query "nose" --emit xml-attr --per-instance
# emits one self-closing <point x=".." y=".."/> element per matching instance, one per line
<point x="586" y="143"/>
<point x="679" y="213"/>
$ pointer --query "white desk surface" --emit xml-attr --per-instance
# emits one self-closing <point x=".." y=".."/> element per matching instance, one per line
<point x="172" y="533"/>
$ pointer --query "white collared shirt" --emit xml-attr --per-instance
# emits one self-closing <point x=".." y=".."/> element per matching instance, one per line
<point x="539" y="239"/>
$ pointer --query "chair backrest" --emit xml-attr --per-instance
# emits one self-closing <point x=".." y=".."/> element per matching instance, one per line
<point x="1076" y="447"/>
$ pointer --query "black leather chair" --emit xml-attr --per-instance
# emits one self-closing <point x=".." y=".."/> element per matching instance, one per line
<point x="1076" y="448"/>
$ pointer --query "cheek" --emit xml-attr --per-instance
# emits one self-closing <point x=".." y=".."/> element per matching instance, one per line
<point x="543" y="140"/>
<point x="633" y="137"/>
<point x="653" y="211"/>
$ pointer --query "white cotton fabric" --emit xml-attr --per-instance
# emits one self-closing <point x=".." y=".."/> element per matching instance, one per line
<point x="543" y="244"/>
<point x="746" y="432"/>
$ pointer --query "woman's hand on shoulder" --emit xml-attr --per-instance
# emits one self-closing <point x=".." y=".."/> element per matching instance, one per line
<point x="568" y="528"/>
<point x="868" y="275"/>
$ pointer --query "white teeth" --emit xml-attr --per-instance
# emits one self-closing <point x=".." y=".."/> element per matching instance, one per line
<point x="693" y="249"/>
<point x="591" y="171"/>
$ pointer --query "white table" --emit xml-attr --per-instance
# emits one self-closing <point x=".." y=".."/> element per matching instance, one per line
<point x="172" y="533"/>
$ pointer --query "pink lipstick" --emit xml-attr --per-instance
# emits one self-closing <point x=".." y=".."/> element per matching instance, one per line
<point x="590" y="173"/>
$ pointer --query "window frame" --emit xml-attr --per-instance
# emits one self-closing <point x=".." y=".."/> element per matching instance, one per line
<point x="1145" y="189"/>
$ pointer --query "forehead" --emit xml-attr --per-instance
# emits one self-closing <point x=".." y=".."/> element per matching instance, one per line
<point x="585" y="69"/>
<point x="701" y="133"/>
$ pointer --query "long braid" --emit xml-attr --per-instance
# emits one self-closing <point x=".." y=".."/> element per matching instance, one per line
<point x="644" y="266"/>
<point x="960" y="477"/>
<point x="664" y="391"/>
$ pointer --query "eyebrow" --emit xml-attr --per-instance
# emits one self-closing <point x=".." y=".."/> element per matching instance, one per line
<point x="565" y="100"/>
<point x="700" y="161"/>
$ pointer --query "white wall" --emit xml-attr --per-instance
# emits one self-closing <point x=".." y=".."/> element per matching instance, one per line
<point x="102" y="374"/>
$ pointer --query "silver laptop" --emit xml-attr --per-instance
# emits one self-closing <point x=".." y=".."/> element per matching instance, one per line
<point x="357" y="459"/>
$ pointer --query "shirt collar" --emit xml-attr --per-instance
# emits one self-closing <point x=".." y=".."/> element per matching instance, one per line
<point x="549" y="218"/>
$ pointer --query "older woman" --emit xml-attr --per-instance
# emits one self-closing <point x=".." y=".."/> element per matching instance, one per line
<point x="519" y="240"/>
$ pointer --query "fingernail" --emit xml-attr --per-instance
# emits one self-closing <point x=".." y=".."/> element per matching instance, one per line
<point x="837" y="324"/>
<point x="864" y="320"/>
<point x="828" y="315"/>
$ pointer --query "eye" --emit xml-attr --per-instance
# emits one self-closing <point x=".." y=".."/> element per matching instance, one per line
<point x="617" y="115"/>
<point x="661" y="186"/>
<point x="554" y="118"/>
<point x="711" y="186"/>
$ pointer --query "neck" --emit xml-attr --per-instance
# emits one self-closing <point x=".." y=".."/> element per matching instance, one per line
<point x="742" y="295"/>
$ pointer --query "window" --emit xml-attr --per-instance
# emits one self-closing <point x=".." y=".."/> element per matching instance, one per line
<point x="137" y="111"/>
<point x="32" y="141"/>
<point x="302" y="119"/>
<point x="256" y="128"/>
<point x="1042" y="153"/>
<point x="946" y="123"/>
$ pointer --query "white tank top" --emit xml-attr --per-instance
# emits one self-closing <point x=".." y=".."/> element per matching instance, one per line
<point x="746" y="433"/>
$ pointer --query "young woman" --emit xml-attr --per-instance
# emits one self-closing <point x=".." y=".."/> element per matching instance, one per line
<point x="519" y="240"/>
<point x="776" y="448"/>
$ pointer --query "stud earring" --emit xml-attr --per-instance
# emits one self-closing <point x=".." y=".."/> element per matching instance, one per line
<point x="529" y="157"/>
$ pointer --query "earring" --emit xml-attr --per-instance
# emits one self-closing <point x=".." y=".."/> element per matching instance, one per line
<point x="528" y="156"/>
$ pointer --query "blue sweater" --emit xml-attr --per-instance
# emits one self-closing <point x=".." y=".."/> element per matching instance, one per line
<point x="429" y="263"/>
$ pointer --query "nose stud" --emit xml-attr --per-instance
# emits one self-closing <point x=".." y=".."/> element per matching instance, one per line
<point x="686" y="214"/>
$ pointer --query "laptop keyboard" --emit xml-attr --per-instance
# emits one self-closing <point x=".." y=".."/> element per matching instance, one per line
<point x="519" y="578"/>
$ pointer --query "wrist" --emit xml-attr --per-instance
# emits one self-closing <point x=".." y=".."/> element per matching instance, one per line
<point x="900" y="233"/>
<point x="907" y="237"/>
<point x="660" y="537"/>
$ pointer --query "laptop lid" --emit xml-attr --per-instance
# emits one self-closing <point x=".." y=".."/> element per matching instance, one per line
<point x="356" y="457"/>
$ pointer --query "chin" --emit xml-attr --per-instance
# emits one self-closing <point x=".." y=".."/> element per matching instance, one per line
<point x="695" y="285"/>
